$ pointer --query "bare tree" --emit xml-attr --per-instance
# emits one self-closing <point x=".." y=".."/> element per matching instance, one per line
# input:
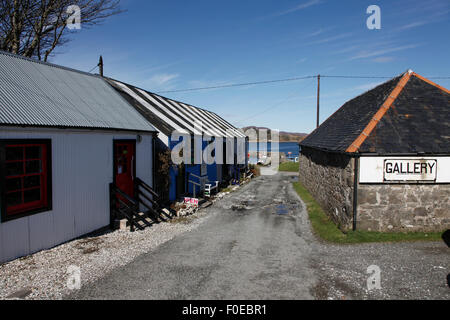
<point x="34" y="28"/>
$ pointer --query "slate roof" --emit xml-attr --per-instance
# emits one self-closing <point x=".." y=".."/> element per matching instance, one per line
<point x="406" y="115"/>
<point x="38" y="94"/>
<point x="168" y="115"/>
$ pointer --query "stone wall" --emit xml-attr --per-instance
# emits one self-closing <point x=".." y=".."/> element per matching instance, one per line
<point x="329" y="179"/>
<point x="422" y="207"/>
<point x="381" y="207"/>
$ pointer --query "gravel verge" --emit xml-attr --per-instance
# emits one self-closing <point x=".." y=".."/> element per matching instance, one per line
<point x="44" y="275"/>
<point x="409" y="271"/>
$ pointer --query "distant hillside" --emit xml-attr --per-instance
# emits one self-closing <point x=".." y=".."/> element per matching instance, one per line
<point x="284" y="136"/>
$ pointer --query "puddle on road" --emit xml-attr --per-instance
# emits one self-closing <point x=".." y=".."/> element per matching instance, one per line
<point x="282" y="210"/>
<point x="237" y="207"/>
<point x="280" y="204"/>
<point x="243" y="205"/>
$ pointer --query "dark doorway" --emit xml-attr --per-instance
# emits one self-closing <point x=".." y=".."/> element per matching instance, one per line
<point x="125" y="166"/>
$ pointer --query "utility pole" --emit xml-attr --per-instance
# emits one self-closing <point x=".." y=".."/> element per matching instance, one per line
<point x="100" y="66"/>
<point x="318" y="100"/>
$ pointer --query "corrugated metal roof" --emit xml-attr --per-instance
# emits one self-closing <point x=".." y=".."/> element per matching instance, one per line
<point x="34" y="93"/>
<point x="168" y="115"/>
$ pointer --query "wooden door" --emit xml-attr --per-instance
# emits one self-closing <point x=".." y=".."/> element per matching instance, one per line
<point x="124" y="165"/>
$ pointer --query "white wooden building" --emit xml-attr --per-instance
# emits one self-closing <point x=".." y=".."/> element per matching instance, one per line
<point x="65" y="136"/>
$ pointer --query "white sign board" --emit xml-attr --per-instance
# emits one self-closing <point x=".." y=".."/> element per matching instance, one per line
<point x="404" y="169"/>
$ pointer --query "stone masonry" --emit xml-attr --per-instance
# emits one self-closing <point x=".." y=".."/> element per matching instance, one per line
<point x="329" y="179"/>
<point x="381" y="207"/>
<point x="404" y="207"/>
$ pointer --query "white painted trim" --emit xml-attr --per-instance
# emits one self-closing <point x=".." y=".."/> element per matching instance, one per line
<point x="374" y="170"/>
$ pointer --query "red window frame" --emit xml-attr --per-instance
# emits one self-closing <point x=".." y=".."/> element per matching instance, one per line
<point x="23" y="208"/>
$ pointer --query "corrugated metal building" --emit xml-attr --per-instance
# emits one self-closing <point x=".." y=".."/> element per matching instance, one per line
<point x="65" y="136"/>
<point x="167" y="116"/>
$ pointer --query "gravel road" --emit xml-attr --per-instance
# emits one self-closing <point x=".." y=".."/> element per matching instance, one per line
<point x="257" y="244"/>
<point x="44" y="275"/>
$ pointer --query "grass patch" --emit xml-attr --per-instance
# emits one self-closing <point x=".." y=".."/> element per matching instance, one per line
<point x="255" y="169"/>
<point x="328" y="231"/>
<point x="227" y="189"/>
<point x="289" y="167"/>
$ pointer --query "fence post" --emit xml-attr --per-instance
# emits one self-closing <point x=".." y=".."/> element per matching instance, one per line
<point x="132" y="222"/>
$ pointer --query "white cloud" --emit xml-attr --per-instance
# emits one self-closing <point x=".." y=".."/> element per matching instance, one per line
<point x="160" y="82"/>
<point x="163" y="78"/>
<point x="317" y="32"/>
<point x="299" y="7"/>
<point x="370" y="54"/>
<point x="368" y="86"/>
<point x="158" y="67"/>
<point x="383" y="59"/>
<point x="413" y="25"/>
<point x="435" y="15"/>
<point x="333" y="38"/>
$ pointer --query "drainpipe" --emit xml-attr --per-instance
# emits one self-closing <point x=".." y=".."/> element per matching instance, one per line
<point x="355" y="192"/>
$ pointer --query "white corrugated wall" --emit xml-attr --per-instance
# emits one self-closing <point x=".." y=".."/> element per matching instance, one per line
<point x="82" y="169"/>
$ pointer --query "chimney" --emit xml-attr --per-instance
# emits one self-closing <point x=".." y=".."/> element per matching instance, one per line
<point x="100" y="66"/>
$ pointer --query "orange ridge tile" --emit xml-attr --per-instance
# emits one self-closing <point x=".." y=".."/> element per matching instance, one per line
<point x="354" y="147"/>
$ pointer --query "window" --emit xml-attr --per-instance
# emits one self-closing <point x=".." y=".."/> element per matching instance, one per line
<point x="25" y="176"/>
<point x="121" y="158"/>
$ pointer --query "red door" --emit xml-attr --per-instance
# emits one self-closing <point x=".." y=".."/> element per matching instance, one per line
<point x="124" y="166"/>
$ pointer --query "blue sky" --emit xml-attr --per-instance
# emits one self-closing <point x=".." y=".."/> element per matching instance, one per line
<point x="170" y="45"/>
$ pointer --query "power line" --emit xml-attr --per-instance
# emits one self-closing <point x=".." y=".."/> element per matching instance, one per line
<point x="93" y="69"/>
<point x="439" y="78"/>
<point x="293" y="94"/>
<point x="287" y="80"/>
<point x="356" y="77"/>
<point x="372" y="77"/>
<point x="239" y="84"/>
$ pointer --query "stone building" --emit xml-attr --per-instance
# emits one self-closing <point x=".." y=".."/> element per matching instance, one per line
<point x="382" y="161"/>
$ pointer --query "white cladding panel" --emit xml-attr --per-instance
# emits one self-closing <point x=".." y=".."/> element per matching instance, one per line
<point x="404" y="169"/>
<point x="82" y="169"/>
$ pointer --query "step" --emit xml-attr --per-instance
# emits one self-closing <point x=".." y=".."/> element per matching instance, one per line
<point x="167" y="212"/>
<point x="145" y="217"/>
<point x="149" y="219"/>
<point x="124" y="225"/>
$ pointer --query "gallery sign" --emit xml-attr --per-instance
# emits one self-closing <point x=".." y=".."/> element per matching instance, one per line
<point x="404" y="170"/>
<point x="410" y="170"/>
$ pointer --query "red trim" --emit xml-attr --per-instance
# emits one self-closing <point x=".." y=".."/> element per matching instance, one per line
<point x="23" y="207"/>
<point x="125" y="180"/>
<point x="354" y="147"/>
